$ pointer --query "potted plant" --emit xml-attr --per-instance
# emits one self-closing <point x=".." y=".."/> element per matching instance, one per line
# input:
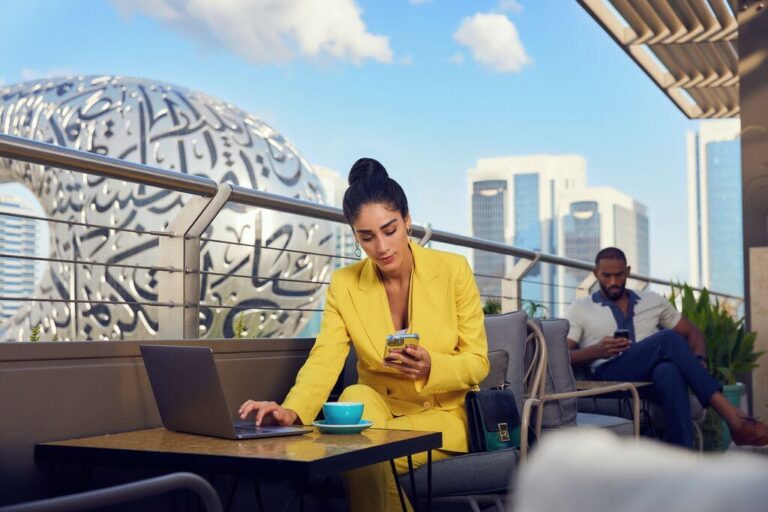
<point x="730" y="353"/>
<point x="492" y="307"/>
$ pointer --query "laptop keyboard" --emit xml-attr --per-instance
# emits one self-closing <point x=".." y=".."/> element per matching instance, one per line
<point x="248" y="429"/>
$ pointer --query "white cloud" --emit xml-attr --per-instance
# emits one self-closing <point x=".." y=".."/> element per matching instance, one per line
<point x="510" y="6"/>
<point x="27" y="74"/>
<point x="457" y="58"/>
<point x="493" y="41"/>
<point x="272" y="30"/>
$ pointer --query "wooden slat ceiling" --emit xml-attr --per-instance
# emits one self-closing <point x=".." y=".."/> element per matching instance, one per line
<point x="688" y="47"/>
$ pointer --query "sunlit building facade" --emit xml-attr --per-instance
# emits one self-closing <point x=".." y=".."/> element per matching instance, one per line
<point x="597" y="217"/>
<point x="714" y="206"/>
<point x="18" y="237"/>
<point x="513" y="200"/>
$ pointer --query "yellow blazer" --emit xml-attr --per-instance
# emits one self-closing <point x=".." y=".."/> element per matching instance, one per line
<point x="447" y="315"/>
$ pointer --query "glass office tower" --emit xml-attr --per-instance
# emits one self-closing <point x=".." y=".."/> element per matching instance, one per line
<point x="714" y="207"/>
<point x="594" y="218"/>
<point x="488" y="213"/>
<point x="514" y="201"/>
<point x="18" y="237"/>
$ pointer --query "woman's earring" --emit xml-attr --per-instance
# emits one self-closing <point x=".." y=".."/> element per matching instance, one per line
<point x="410" y="232"/>
<point x="358" y="253"/>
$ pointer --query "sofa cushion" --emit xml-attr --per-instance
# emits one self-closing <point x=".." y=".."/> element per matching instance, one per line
<point x="559" y="377"/>
<point x="497" y="375"/>
<point x="468" y="474"/>
<point x="617" y="425"/>
<point x="508" y="332"/>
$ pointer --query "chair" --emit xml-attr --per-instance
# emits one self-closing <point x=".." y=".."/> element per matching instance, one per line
<point x="652" y="417"/>
<point x="555" y="402"/>
<point x="476" y="481"/>
<point x="125" y="493"/>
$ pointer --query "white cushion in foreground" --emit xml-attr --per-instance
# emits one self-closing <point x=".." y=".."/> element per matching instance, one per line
<point x="594" y="470"/>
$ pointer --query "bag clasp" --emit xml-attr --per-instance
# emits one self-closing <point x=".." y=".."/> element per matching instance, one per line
<point x="503" y="432"/>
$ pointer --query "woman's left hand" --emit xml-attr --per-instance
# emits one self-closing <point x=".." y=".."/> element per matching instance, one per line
<point x="413" y="362"/>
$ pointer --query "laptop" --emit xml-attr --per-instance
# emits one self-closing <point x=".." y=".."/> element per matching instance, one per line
<point x="190" y="398"/>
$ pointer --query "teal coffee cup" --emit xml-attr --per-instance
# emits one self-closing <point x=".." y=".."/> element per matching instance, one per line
<point x="343" y="413"/>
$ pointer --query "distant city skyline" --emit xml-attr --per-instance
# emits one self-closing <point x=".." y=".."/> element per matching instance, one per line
<point x="592" y="218"/>
<point x="413" y="84"/>
<point x="542" y="203"/>
<point x="514" y="200"/>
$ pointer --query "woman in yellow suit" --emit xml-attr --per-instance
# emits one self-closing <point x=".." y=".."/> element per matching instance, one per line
<point x="401" y="286"/>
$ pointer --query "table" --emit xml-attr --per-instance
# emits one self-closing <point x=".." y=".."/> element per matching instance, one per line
<point x="297" y="458"/>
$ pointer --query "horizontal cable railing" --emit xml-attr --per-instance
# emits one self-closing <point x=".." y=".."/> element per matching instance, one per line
<point x="181" y="297"/>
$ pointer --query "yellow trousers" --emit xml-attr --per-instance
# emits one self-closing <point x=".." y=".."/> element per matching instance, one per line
<point x="372" y="488"/>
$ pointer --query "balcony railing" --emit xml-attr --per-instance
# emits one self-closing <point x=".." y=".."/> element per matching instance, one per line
<point x="178" y="268"/>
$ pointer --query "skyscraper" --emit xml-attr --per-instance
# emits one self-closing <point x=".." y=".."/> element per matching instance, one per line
<point x="513" y="200"/>
<point x="714" y="206"/>
<point x="593" y="218"/>
<point x="18" y="237"/>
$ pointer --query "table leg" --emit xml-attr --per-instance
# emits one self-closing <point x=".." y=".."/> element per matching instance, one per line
<point x="257" y="492"/>
<point x="429" y="480"/>
<point x="85" y="477"/>
<point x="51" y="479"/>
<point x="413" y="484"/>
<point x="228" y="504"/>
<point x="397" y="484"/>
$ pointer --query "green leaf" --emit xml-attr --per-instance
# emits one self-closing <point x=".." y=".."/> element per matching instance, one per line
<point x="730" y="348"/>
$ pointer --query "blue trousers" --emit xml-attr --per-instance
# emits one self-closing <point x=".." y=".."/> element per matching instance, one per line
<point x="665" y="359"/>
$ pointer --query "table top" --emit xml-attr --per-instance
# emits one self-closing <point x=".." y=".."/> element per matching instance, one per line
<point x="597" y="384"/>
<point x="308" y="455"/>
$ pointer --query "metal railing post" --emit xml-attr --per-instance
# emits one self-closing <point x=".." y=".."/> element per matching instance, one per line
<point x="182" y="253"/>
<point x="585" y="287"/>
<point x="515" y="279"/>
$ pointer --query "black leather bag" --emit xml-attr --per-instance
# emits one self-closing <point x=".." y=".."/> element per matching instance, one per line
<point x="493" y="420"/>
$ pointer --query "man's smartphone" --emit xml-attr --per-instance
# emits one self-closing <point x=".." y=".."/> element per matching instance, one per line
<point x="621" y="333"/>
<point x="398" y="342"/>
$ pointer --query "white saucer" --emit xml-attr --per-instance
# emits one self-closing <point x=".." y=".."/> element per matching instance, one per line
<point x="327" y="428"/>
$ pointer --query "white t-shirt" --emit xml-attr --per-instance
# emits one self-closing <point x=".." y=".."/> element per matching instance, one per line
<point x="594" y="317"/>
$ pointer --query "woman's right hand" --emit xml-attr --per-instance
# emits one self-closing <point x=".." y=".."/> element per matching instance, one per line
<point x="268" y="412"/>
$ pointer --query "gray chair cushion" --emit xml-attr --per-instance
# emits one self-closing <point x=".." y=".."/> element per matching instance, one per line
<point x="463" y="475"/>
<point x="617" y="425"/>
<point x="508" y="332"/>
<point x="499" y="361"/>
<point x="559" y="377"/>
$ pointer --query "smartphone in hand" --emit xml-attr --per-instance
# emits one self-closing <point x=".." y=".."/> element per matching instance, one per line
<point x="398" y="342"/>
<point x="621" y="333"/>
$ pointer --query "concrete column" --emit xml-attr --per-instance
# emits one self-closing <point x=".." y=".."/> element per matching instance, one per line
<point x="758" y="312"/>
<point x="753" y="99"/>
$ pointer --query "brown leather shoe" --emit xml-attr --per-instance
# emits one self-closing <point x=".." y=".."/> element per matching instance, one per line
<point x="751" y="433"/>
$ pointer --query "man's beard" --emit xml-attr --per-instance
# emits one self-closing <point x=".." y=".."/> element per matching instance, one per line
<point x="614" y="292"/>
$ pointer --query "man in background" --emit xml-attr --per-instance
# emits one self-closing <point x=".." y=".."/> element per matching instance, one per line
<point x="637" y="335"/>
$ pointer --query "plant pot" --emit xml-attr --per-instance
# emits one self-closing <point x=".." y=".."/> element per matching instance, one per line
<point x="733" y="393"/>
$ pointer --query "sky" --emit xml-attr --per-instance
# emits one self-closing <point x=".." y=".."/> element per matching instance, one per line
<point x="426" y="87"/>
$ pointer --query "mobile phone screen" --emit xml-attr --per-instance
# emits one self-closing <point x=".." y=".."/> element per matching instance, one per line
<point x="621" y="333"/>
<point x="398" y="342"/>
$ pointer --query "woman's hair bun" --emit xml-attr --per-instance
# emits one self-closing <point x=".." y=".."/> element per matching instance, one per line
<point x="366" y="169"/>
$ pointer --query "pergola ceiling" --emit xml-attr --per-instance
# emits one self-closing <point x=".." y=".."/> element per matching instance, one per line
<point x="688" y="47"/>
